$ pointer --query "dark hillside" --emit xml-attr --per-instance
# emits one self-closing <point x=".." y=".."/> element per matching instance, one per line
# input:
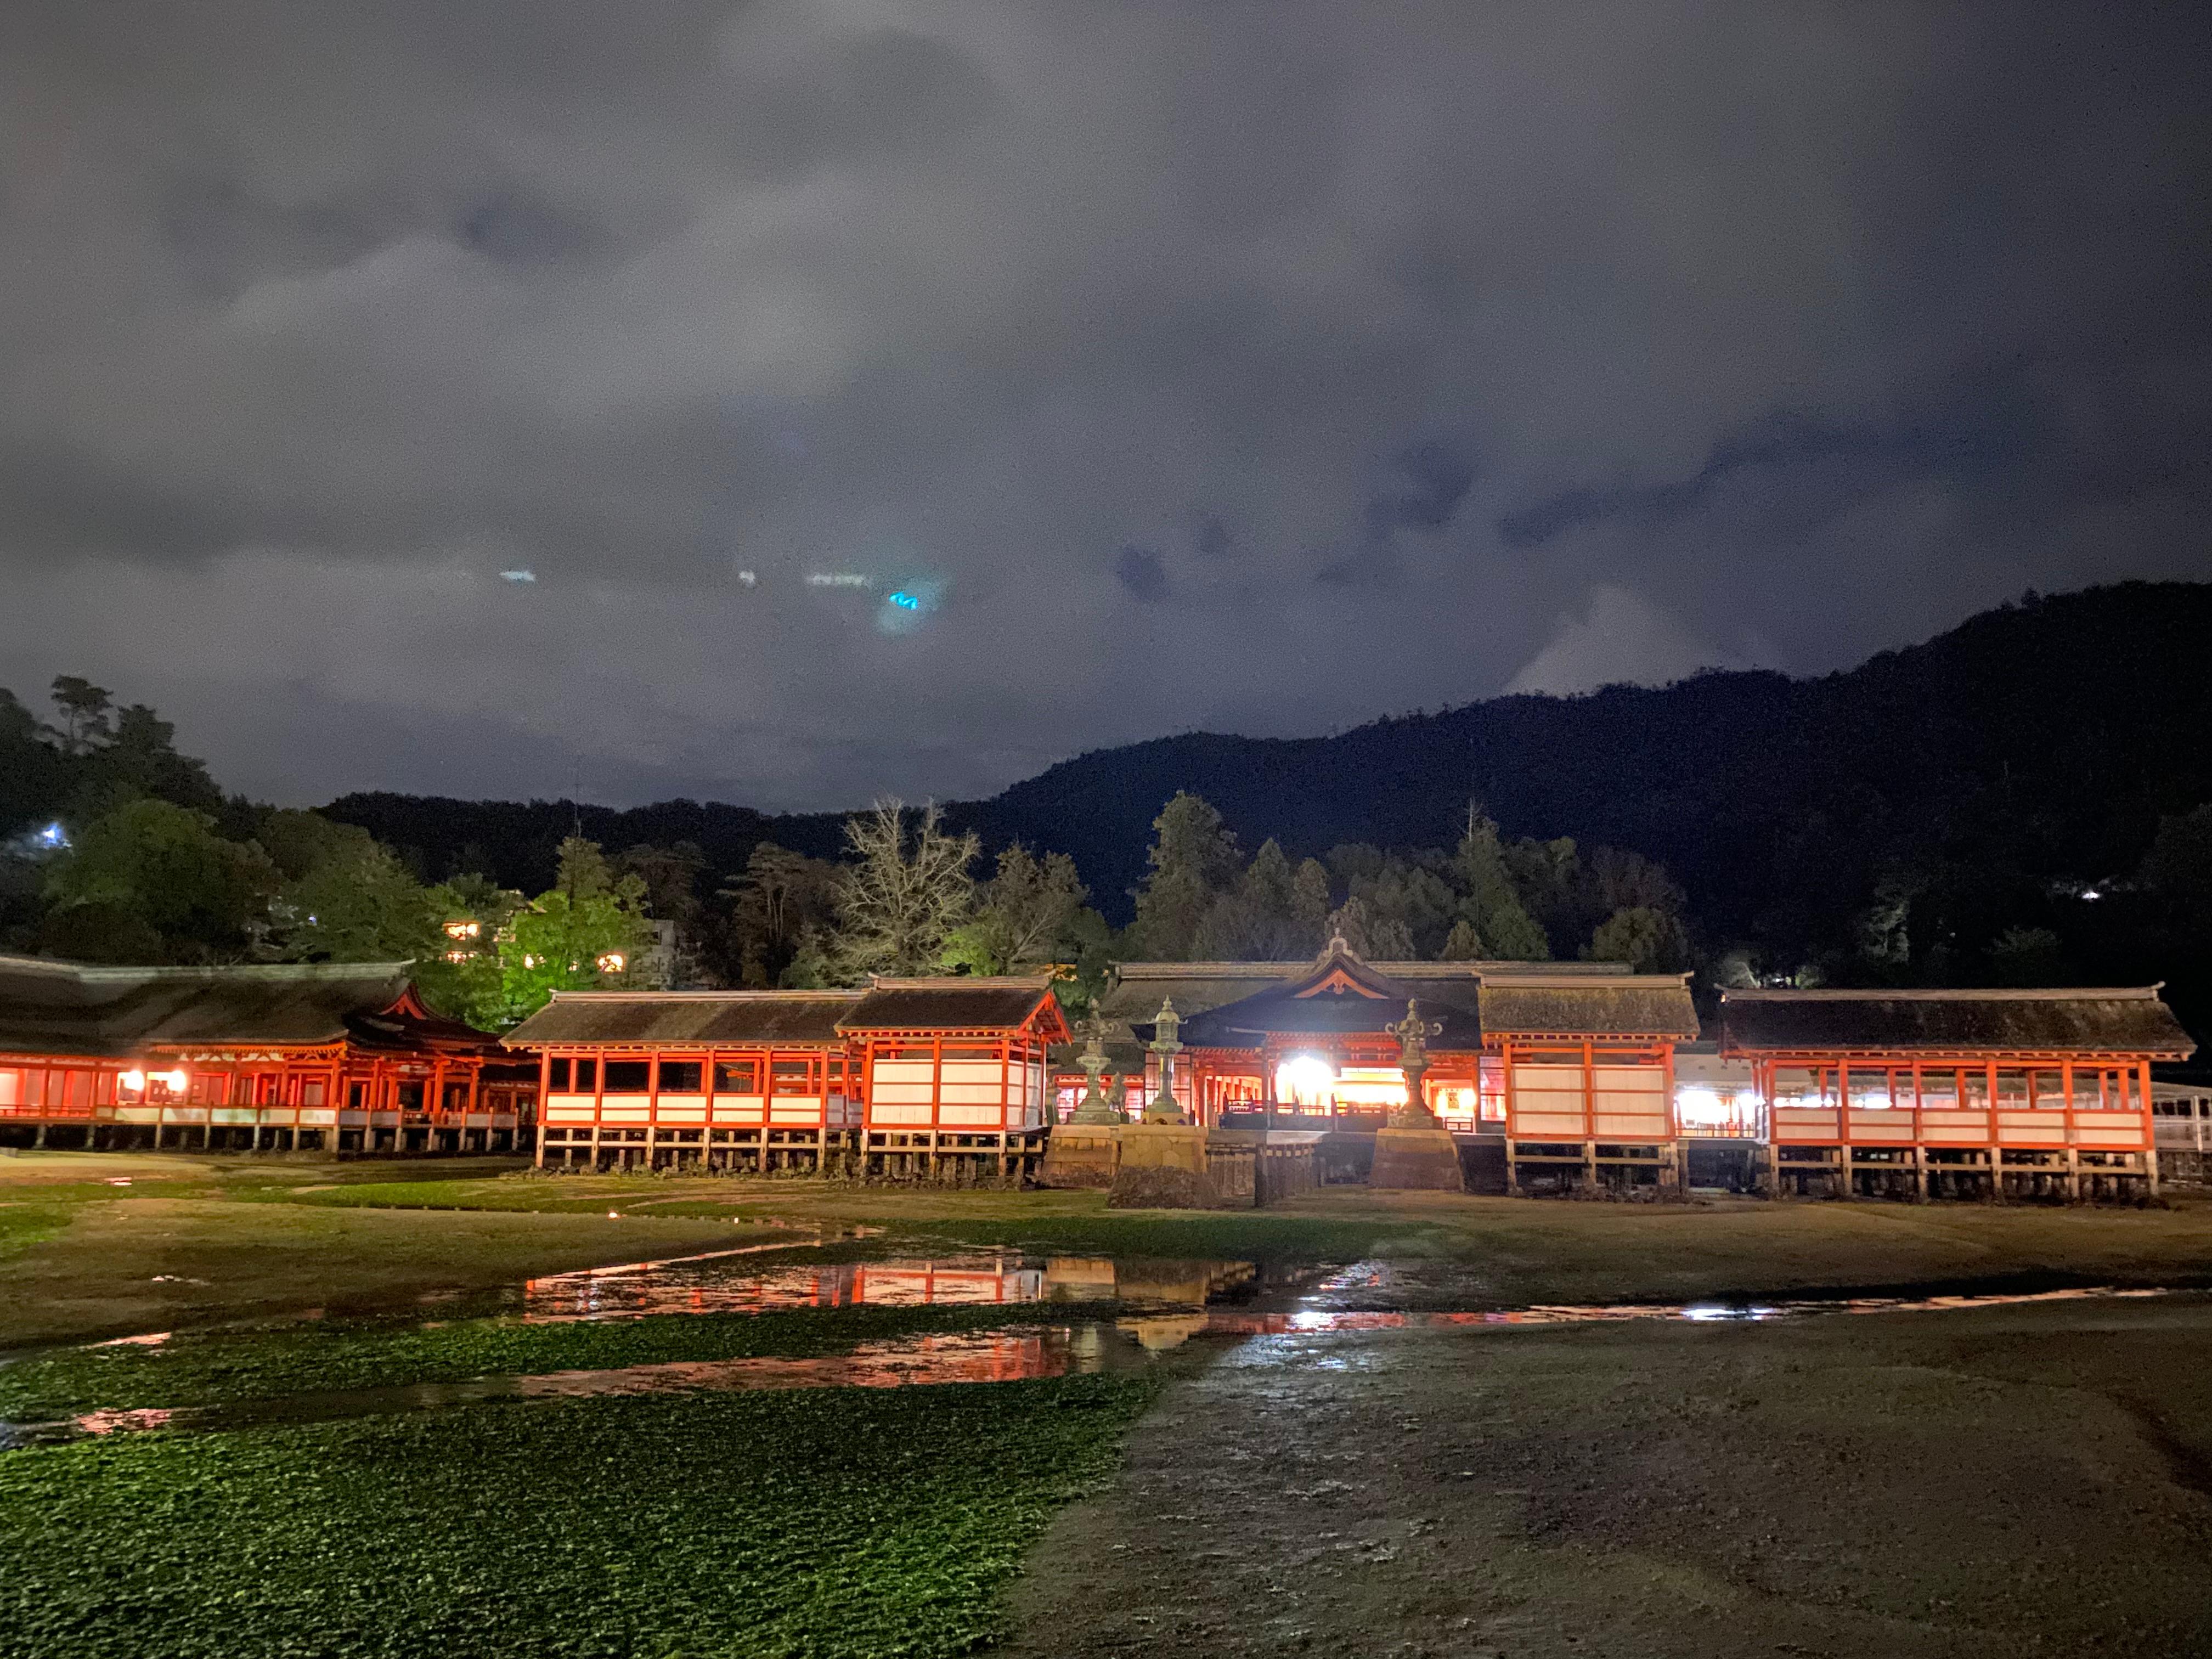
<point x="1977" y="780"/>
<point x="2051" y="734"/>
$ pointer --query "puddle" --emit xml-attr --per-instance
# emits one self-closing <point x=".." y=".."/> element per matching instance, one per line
<point x="704" y="1284"/>
<point x="1011" y="1353"/>
<point x="1695" y="1313"/>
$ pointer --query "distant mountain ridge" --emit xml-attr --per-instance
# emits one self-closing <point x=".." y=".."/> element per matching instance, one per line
<point x="2042" y="740"/>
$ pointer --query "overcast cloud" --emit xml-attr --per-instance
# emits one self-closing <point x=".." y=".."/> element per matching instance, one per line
<point x="1261" y="368"/>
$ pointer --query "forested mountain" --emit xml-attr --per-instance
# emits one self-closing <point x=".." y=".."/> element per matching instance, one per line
<point x="2026" y="799"/>
<point x="1972" y="780"/>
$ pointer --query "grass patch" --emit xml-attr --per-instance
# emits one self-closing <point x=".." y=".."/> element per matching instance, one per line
<point x="228" y="1367"/>
<point x="841" y="1524"/>
<point x="23" y="1225"/>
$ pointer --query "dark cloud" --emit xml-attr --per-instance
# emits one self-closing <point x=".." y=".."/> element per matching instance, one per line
<point x="1140" y="571"/>
<point x="1474" y="345"/>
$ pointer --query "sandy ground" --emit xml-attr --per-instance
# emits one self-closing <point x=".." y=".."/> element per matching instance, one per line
<point x="2031" y="1481"/>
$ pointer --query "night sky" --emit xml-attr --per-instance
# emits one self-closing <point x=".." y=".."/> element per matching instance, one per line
<point x="900" y="397"/>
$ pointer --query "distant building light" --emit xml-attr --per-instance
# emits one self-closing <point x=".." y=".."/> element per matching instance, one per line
<point x="749" y="579"/>
<point x="519" y="577"/>
<point x="2091" y="893"/>
<point x="839" y="579"/>
<point x="532" y="962"/>
<point x="613" y="962"/>
<point x="53" y="836"/>
<point x="905" y="600"/>
<point x="463" y="929"/>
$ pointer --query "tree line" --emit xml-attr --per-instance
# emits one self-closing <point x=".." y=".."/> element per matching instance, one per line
<point x="118" y="848"/>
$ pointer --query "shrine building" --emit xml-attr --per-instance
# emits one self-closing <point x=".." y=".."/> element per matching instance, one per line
<point x="1985" y="1093"/>
<point x="908" y="1073"/>
<point x="327" y="1057"/>
<point x="1563" y="1070"/>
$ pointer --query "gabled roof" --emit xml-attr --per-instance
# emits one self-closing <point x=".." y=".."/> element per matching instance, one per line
<point x="1339" y="993"/>
<point x="1507" y="998"/>
<point x="79" y="1008"/>
<point x="956" y="1002"/>
<point x="2127" y="1020"/>
<point x="681" y="1019"/>
<point x="675" y="1019"/>
<point x="1533" y="999"/>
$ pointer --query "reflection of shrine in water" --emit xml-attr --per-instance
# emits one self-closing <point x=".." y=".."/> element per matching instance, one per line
<point x="712" y="1285"/>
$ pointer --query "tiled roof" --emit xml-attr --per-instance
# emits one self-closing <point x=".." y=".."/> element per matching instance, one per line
<point x="675" y="1019"/>
<point x="2127" y="1020"/>
<point x="76" y="1008"/>
<point x="951" y="1003"/>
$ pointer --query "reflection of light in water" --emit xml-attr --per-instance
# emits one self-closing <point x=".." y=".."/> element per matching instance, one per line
<point x="1011" y="1353"/>
<point x="961" y="1356"/>
<point x="705" y="1285"/>
<point x="113" y="1422"/>
<point x="1702" y="1313"/>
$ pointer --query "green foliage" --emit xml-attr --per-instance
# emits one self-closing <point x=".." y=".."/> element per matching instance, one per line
<point x="2028" y="956"/>
<point x="671" y="875"/>
<point x="557" y="941"/>
<point x="1379" y="939"/>
<point x="1272" y="913"/>
<point x="825" y="1524"/>
<point x="903" y="893"/>
<point x="1193" y="862"/>
<point x="2178" y="868"/>
<point x="811" y="967"/>
<point x="1489" y="899"/>
<point x="1648" y="940"/>
<point x="359" y="904"/>
<point x="781" y="899"/>
<point x="1463" y="944"/>
<point x="1024" y="916"/>
<point x="153" y="882"/>
<point x="86" y="713"/>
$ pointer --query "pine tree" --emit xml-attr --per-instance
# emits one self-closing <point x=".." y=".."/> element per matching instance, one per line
<point x="1269" y="915"/>
<point x="1193" y="862"/>
<point x="1488" y="900"/>
<point x="1648" y="939"/>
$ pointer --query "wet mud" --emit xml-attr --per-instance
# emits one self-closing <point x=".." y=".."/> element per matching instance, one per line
<point x="2025" y="1477"/>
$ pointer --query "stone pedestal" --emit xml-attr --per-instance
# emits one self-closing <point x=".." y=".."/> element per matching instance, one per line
<point x="1425" y="1160"/>
<point x="1163" y="1167"/>
<point x="1080" y="1155"/>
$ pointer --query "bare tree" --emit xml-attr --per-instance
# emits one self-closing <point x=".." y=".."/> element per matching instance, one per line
<point x="903" y="893"/>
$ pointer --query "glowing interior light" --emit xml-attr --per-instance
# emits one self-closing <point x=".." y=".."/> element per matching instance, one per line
<point x="612" y="963"/>
<point x="1305" y="1080"/>
<point x="174" y="1082"/>
<point x="133" y="1080"/>
<point x="463" y="929"/>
